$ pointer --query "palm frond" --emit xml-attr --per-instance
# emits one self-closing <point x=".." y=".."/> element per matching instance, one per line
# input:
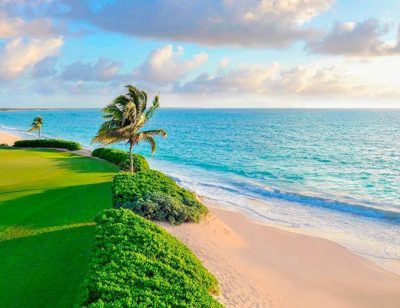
<point x="156" y="104"/>
<point x="152" y="143"/>
<point x="138" y="97"/>
<point x="155" y="132"/>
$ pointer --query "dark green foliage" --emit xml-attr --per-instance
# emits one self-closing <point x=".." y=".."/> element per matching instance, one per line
<point x="156" y="196"/>
<point x="121" y="159"/>
<point x="138" y="264"/>
<point x="48" y="143"/>
<point x="3" y="145"/>
<point x="160" y="206"/>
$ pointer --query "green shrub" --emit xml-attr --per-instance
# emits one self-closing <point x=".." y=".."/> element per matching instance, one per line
<point x="121" y="159"/>
<point x="138" y="264"/>
<point x="48" y="143"/>
<point x="3" y="145"/>
<point x="162" y="207"/>
<point x="153" y="194"/>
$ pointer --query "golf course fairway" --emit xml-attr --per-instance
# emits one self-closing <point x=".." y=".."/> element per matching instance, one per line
<point x="48" y="200"/>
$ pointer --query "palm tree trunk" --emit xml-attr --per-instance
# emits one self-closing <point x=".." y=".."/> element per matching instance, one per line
<point x="39" y="133"/>
<point x="130" y="156"/>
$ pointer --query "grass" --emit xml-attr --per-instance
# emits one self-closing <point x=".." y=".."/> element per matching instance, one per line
<point x="48" y="200"/>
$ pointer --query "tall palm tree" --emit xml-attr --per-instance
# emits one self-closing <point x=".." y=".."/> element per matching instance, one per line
<point x="124" y="119"/>
<point x="37" y="124"/>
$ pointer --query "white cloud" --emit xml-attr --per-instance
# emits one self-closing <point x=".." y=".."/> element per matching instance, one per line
<point x="165" y="66"/>
<point x="297" y="82"/>
<point x="297" y="10"/>
<point x="362" y="39"/>
<point x="19" y="54"/>
<point x="26" y="42"/>
<point x="245" y="23"/>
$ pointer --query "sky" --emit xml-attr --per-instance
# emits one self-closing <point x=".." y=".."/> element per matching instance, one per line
<point x="208" y="53"/>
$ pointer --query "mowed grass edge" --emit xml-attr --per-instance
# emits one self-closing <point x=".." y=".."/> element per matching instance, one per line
<point x="48" y="200"/>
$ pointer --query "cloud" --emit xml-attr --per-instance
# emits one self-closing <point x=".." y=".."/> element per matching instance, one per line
<point x="362" y="39"/>
<point x="103" y="70"/>
<point x="244" y="23"/>
<point x="45" y="68"/>
<point x="164" y="65"/>
<point x="17" y="27"/>
<point x="297" y="82"/>
<point x="20" y="54"/>
<point x="224" y="63"/>
<point x="26" y="43"/>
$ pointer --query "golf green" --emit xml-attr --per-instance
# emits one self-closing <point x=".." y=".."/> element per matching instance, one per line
<point x="48" y="200"/>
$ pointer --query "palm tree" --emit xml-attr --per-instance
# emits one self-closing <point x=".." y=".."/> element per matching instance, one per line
<point x="37" y="124"/>
<point x="124" y="119"/>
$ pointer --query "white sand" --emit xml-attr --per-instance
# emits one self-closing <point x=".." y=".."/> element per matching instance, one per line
<point x="262" y="266"/>
<point x="8" y="138"/>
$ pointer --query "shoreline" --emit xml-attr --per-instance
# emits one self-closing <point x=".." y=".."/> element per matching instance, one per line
<point x="389" y="264"/>
<point x="260" y="266"/>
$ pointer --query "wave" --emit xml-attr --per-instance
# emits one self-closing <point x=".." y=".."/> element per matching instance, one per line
<point x="16" y="131"/>
<point x="8" y="128"/>
<point x="328" y="203"/>
<point x="213" y="183"/>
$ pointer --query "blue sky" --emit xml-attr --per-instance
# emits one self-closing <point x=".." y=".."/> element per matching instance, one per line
<point x="210" y="53"/>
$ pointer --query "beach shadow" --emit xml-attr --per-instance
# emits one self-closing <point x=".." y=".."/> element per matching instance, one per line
<point x="82" y="164"/>
<point x="22" y="190"/>
<point x="60" y="206"/>
<point x="74" y="162"/>
<point x="45" y="270"/>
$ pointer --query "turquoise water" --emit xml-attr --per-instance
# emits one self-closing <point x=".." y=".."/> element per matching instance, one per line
<point x="319" y="168"/>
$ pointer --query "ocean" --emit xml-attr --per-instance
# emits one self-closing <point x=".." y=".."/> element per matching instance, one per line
<point x="334" y="173"/>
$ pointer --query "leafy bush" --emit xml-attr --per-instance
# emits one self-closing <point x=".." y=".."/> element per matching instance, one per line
<point x="3" y="145"/>
<point x="138" y="264"/>
<point x="48" y="143"/>
<point x="121" y="159"/>
<point x="153" y="194"/>
<point x="160" y="206"/>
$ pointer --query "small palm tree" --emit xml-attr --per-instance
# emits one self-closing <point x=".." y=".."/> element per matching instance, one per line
<point x="124" y="119"/>
<point x="37" y="124"/>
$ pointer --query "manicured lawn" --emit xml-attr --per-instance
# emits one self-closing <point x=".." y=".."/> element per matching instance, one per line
<point x="48" y="200"/>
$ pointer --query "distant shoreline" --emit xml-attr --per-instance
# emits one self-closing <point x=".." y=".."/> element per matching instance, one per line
<point x="43" y="109"/>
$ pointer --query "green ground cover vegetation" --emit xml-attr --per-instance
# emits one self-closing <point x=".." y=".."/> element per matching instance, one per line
<point x="154" y="195"/>
<point x="121" y="159"/>
<point x="138" y="264"/>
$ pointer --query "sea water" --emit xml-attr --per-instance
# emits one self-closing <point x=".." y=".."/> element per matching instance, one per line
<point x="331" y="172"/>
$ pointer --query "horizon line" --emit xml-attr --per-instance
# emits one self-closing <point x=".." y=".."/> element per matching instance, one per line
<point x="6" y="109"/>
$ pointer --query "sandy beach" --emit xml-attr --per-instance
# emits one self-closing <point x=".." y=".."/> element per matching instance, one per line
<point x="9" y="139"/>
<point x="263" y="266"/>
